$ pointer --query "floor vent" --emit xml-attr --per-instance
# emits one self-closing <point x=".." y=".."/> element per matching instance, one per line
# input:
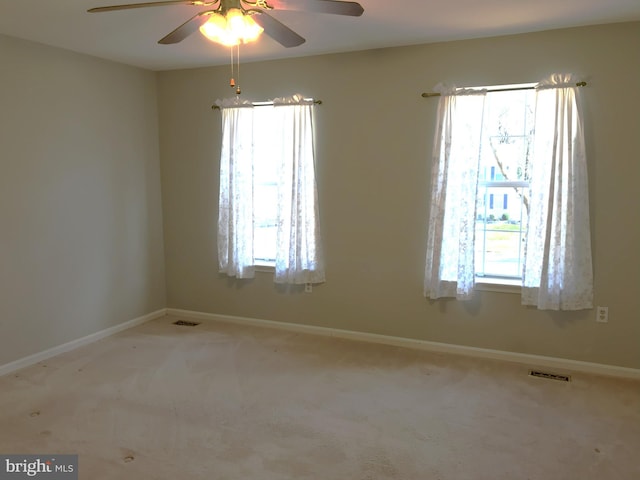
<point x="552" y="376"/>
<point x="186" y="323"/>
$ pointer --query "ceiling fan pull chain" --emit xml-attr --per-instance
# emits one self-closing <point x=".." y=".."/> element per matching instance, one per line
<point x="238" y="91"/>
<point x="232" y="82"/>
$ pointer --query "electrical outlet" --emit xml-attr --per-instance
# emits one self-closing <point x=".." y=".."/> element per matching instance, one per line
<point x="602" y="314"/>
<point x="308" y="287"/>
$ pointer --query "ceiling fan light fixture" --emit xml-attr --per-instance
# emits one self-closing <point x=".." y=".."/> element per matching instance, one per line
<point x="231" y="29"/>
<point x="247" y="25"/>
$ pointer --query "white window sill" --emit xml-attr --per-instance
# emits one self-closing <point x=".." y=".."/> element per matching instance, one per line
<point x="500" y="285"/>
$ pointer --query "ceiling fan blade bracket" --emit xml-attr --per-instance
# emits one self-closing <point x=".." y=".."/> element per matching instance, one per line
<point x="166" y="3"/>
<point x="261" y="4"/>
<point x="187" y="28"/>
<point x="333" y="7"/>
<point x="277" y="30"/>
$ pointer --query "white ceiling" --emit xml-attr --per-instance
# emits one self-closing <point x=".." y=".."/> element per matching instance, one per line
<point x="131" y="36"/>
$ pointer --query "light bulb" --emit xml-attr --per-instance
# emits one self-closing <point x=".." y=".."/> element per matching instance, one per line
<point x="237" y="27"/>
<point x="251" y="29"/>
<point x="235" y="20"/>
<point x="217" y="30"/>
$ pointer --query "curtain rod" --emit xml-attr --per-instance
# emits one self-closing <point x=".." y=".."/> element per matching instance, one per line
<point x="437" y="94"/>
<point x="262" y="104"/>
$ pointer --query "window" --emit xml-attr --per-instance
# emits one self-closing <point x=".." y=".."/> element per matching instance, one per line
<point x="265" y="187"/>
<point x="509" y="194"/>
<point x="268" y="209"/>
<point x="505" y="146"/>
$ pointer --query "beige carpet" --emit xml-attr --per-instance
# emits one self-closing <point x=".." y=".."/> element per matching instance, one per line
<point x="220" y="401"/>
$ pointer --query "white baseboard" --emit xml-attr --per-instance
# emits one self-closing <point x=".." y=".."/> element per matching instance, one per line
<point x="560" y="365"/>
<point x="38" y="357"/>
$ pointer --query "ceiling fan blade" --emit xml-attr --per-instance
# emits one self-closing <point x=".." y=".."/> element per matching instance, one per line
<point x="277" y="30"/>
<point x="353" y="9"/>
<point x="187" y="28"/>
<point x="149" y="4"/>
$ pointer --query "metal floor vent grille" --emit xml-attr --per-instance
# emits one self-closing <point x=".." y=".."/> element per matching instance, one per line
<point x="186" y="323"/>
<point x="551" y="376"/>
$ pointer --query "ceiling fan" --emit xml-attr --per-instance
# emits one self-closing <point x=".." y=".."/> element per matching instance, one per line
<point x="256" y="10"/>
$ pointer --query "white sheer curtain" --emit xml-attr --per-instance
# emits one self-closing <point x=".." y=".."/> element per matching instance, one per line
<point x="557" y="268"/>
<point x="235" y="214"/>
<point x="557" y="272"/>
<point x="450" y="270"/>
<point x="299" y="256"/>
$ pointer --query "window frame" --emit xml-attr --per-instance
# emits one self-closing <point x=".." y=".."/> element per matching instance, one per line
<point x="262" y="264"/>
<point x="497" y="283"/>
<point x="259" y="263"/>
<point x="557" y="273"/>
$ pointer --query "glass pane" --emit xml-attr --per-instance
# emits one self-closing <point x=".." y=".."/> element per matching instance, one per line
<point x="265" y="243"/>
<point x="507" y="136"/>
<point x="265" y="184"/>
<point x="500" y="231"/>
<point x="265" y="204"/>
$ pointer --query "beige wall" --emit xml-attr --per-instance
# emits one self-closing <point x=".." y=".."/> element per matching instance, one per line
<point x="80" y="212"/>
<point x="374" y="136"/>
